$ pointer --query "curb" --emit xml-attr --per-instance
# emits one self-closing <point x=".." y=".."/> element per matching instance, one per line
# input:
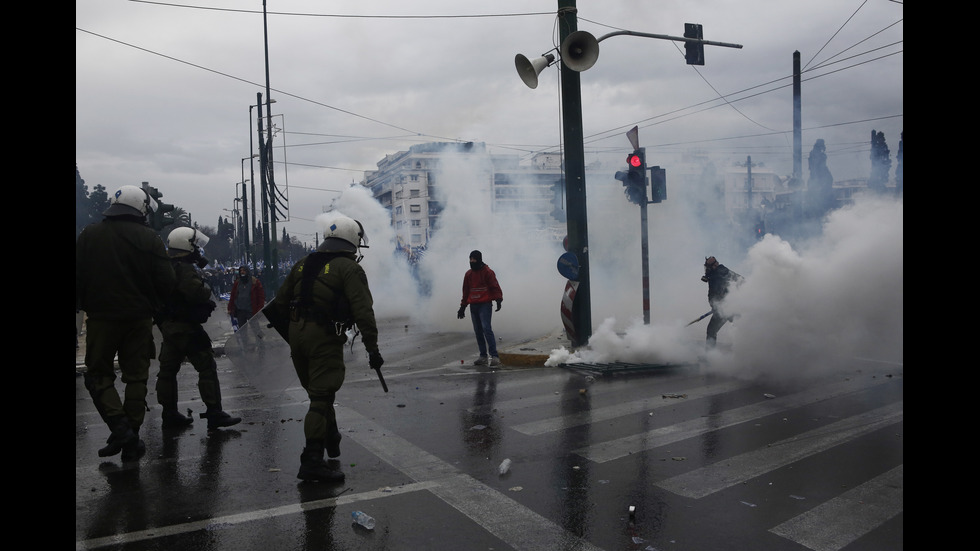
<point x="534" y="353"/>
<point x="523" y="360"/>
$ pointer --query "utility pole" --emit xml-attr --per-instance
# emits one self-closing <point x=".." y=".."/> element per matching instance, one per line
<point x="797" y="124"/>
<point x="245" y="229"/>
<point x="272" y="278"/>
<point x="748" y="181"/>
<point x="263" y="172"/>
<point x="579" y="51"/>
<point x="575" y="198"/>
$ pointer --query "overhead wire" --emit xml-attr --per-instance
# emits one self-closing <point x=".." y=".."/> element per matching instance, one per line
<point x="420" y="135"/>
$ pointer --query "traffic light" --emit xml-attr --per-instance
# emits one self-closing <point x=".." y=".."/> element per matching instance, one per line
<point x="658" y="184"/>
<point x="693" y="51"/>
<point x="634" y="178"/>
<point x="162" y="216"/>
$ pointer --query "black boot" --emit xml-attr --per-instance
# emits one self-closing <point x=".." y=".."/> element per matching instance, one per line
<point x="313" y="467"/>
<point x="134" y="450"/>
<point x="173" y="419"/>
<point x="333" y="440"/>
<point x="122" y="435"/>
<point x="218" y="418"/>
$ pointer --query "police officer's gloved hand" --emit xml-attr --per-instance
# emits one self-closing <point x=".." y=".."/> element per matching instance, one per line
<point x="461" y="313"/>
<point x="499" y="302"/>
<point x="375" y="360"/>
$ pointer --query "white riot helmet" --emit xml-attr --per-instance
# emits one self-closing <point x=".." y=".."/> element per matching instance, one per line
<point x="184" y="241"/>
<point x="343" y="234"/>
<point x="132" y="201"/>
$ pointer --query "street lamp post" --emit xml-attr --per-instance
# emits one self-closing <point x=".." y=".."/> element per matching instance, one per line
<point x="267" y="164"/>
<point x="262" y="171"/>
<point x="235" y="233"/>
<point x="246" y="229"/>
<point x="577" y="213"/>
<point x="239" y="229"/>
<point x="263" y="177"/>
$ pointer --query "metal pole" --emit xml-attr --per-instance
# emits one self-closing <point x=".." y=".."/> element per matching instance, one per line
<point x="245" y="228"/>
<point x="272" y="279"/>
<point x="251" y="164"/>
<point x="645" y="258"/>
<point x="748" y="181"/>
<point x="236" y="236"/>
<point x="263" y="171"/>
<point x="577" y="219"/>
<point x="797" y="118"/>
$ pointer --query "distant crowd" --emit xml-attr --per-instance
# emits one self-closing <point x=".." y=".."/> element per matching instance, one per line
<point x="222" y="278"/>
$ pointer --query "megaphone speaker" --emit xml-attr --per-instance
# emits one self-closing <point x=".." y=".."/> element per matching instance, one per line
<point x="579" y="51"/>
<point x="530" y="69"/>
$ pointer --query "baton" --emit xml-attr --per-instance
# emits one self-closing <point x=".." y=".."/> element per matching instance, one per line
<point x="381" y="378"/>
<point x="706" y="314"/>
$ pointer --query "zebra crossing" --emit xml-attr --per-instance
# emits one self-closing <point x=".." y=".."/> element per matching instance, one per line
<point x="828" y="525"/>
<point x="708" y="461"/>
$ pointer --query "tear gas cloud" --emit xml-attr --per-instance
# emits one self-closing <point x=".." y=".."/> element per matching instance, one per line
<point x="833" y="301"/>
<point x="801" y="308"/>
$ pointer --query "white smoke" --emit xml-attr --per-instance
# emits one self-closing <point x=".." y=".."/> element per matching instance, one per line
<point x="388" y="272"/>
<point x="836" y="300"/>
<point x="801" y="308"/>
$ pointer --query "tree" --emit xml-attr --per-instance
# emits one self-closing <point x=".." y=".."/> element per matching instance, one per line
<point x="182" y="217"/>
<point x="218" y="250"/>
<point x="899" y="168"/>
<point x="88" y="206"/>
<point x="82" y="215"/>
<point x="820" y="187"/>
<point x="881" y="162"/>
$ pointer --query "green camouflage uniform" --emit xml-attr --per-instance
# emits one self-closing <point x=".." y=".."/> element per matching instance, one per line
<point x="340" y="297"/>
<point x="122" y="277"/>
<point x="189" y="306"/>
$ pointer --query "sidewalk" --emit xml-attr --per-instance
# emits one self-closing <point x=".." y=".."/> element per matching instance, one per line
<point x="532" y="353"/>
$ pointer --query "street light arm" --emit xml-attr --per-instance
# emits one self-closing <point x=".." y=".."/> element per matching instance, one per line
<point x="668" y="37"/>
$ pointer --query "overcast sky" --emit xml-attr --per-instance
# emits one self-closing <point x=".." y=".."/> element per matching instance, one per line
<point x="163" y="90"/>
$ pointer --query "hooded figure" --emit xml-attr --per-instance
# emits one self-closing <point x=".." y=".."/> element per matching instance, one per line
<point x="247" y="296"/>
<point x="480" y="289"/>
<point x="719" y="278"/>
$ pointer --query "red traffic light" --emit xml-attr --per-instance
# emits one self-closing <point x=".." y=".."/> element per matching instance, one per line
<point x="634" y="160"/>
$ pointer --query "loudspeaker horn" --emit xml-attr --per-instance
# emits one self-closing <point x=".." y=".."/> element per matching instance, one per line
<point x="579" y="51"/>
<point x="530" y="69"/>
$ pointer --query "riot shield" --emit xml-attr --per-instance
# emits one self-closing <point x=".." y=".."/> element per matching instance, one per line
<point x="263" y="357"/>
<point x="218" y="326"/>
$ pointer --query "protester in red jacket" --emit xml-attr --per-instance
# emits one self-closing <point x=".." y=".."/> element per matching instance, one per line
<point x="480" y="289"/>
<point x="247" y="297"/>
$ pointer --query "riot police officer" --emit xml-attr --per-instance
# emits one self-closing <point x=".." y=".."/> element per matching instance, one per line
<point x="180" y="322"/>
<point x="325" y="295"/>
<point x="122" y="278"/>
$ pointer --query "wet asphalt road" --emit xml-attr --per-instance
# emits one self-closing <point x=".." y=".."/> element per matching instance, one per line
<point x="706" y="462"/>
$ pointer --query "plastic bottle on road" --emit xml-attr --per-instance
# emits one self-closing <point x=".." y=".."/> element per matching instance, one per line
<point x="363" y="519"/>
<point x="504" y="466"/>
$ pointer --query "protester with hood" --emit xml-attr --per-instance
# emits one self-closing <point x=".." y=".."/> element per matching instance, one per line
<point x="247" y="297"/>
<point x="122" y="279"/>
<point x="719" y="278"/>
<point x="480" y="289"/>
